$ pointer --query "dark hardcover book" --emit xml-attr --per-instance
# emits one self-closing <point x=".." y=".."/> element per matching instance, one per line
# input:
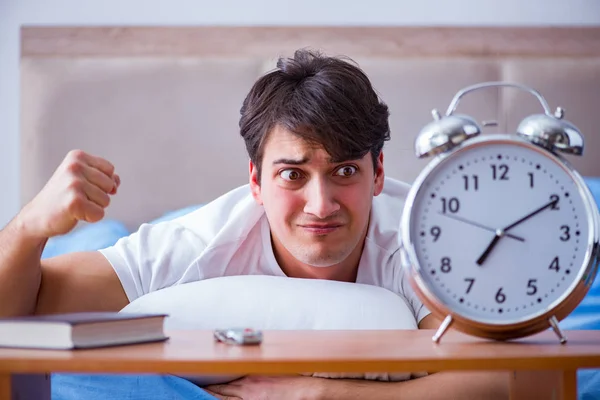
<point x="81" y="330"/>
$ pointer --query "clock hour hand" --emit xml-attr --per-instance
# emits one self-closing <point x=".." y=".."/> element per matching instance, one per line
<point x="477" y="224"/>
<point x="490" y="247"/>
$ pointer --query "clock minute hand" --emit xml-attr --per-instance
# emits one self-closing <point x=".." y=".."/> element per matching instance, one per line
<point x="531" y="214"/>
<point x="502" y="232"/>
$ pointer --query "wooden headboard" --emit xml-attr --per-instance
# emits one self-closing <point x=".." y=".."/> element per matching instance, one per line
<point x="162" y="103"/>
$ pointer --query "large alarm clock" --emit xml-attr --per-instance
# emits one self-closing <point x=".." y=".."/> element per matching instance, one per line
<point x="499" y="232"/>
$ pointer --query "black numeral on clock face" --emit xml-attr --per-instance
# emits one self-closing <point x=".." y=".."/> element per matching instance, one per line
<point x="452" y="204"/>
<point x="555" y="199"/>
<point x="554" y="265"/>
<point x="446" y="267"/>
<point x="471" y="182"/>
<point x="470" y="282"/>
<point x="530" y="179"/>
<point x="435" y="231"/>
<point x="532" y="287"/>
<point x="566" y="233"/>
<point x="500" y="297"/>
<point x="499" y="172"/>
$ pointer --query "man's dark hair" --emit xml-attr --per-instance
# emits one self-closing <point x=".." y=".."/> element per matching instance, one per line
<point x="324" y="100"/>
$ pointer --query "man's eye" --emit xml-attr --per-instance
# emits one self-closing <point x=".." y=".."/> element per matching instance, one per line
<point x="290" y="175"/>
<point x="347" y="170"/>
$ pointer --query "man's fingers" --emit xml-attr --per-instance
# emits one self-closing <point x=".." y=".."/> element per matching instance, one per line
<point x="225" y="391"/>
<point x="98" y="178"/>
<point x="96" y="195"/>
<point x="93" y="212"/>
<point x="220" y="397"/>
<point x="98" y="163"/>
<point x="85" y="210"/>
<point x="117" y="181"/>
<point x="95" y="170"/>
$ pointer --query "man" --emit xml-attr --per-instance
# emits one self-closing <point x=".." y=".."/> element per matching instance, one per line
<point x="317" y="206"/>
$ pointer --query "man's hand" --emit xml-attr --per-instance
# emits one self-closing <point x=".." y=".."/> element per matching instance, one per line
<point x="438" y="386"/>
<point x="267" y="388"/>
<point x="78" y="190"/>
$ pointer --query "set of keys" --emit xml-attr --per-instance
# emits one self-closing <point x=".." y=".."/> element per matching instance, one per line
<point x="239" y="336"/>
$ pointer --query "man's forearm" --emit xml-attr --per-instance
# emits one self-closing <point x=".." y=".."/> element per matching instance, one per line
<point x="20" y="272"/>
<point x="442" y="385"/>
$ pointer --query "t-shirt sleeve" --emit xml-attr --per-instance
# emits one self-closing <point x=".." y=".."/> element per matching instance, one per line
<point x="148" y="260"/>
<point x="404" y="288"/>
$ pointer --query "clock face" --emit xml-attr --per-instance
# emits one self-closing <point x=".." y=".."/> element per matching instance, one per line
<point x="501" y="232"/>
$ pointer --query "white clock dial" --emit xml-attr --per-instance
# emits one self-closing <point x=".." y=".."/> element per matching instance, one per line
<point x="500" y="231"/>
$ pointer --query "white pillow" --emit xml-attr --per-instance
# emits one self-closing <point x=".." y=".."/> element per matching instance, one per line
<point x="279" y="303"/>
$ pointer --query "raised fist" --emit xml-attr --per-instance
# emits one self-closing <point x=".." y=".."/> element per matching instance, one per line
<point x="79" y="189"/>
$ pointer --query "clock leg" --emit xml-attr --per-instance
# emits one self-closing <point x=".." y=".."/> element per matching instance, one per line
<point x="442" y="329"/>
<point x="554" y="324"/>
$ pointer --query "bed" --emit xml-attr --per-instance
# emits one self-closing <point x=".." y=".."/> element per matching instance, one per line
<point x="162" y="104"/>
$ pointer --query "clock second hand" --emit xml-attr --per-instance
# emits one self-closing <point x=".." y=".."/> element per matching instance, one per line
<point x="477" y="224"/>
<point x="502" y="232"/>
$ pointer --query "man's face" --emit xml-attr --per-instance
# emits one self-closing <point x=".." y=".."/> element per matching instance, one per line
<point x="318" y="210"/>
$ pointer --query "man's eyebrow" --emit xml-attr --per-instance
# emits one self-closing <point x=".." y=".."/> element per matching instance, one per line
<point x="304" y="160"/>
<point x="291" y="161"/>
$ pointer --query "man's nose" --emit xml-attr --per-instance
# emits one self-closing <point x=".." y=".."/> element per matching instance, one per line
<point x="320" y="199"/>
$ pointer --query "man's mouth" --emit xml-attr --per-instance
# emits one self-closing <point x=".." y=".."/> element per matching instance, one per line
<point x="320" y="229"/>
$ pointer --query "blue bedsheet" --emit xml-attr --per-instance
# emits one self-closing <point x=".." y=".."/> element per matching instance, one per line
<point x="125" y="387"/>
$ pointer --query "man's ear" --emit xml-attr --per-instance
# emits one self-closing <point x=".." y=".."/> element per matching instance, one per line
<point x="379" y="176"/>
<point x="255" y="183"/>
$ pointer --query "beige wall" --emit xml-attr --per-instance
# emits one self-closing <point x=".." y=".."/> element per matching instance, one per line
<point x="169" y="121"/>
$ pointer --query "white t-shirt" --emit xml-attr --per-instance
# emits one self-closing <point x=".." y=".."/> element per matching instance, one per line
<point x="231" y="236"/>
